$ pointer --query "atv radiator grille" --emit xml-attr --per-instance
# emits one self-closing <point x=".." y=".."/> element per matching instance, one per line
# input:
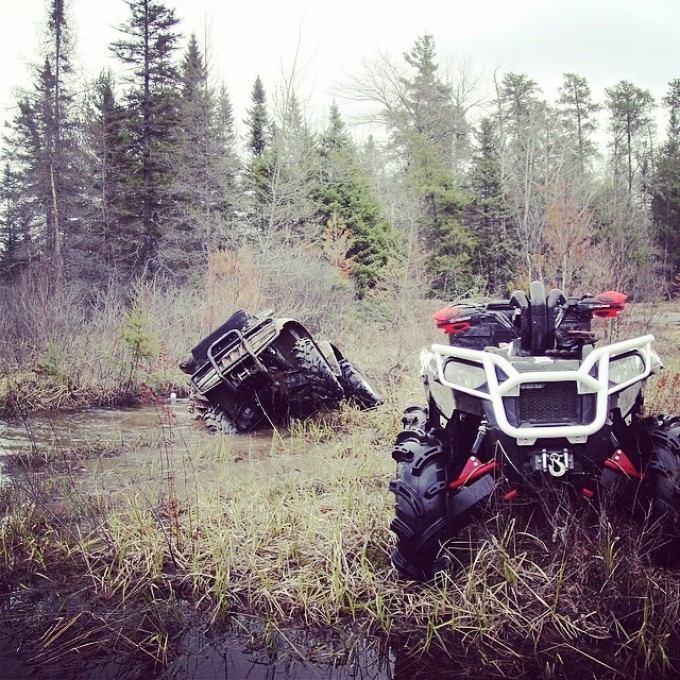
<point x="549" y="403"/>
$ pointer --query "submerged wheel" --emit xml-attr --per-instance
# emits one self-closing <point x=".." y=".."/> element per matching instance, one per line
<point x="357" y="389"/>
<point x="663" y="483"/>
<point x="217" y="421"/>
<point x="326" y="389"/>
<point x="420" y="492"/>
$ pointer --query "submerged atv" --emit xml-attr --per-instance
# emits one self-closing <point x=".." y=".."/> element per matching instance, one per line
<point x="520" y="398"/>
<point x="261" y="370"/>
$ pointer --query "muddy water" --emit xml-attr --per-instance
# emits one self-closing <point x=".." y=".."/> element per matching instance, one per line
<point x="136" y="432"/>
<point x="133" y="447"/>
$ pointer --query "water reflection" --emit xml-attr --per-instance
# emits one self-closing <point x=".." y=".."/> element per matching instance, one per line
<point x="119" y="440"/>
<point x="125" y="426"/>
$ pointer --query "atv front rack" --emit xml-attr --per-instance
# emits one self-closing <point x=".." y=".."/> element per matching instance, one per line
<point x="544" y="397"/>
<point x="226" y="355"/>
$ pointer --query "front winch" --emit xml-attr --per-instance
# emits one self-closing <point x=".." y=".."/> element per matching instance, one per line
<point x="556" y="463"/>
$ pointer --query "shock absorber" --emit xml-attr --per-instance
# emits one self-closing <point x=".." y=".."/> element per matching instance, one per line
<point x="479" y="439"/>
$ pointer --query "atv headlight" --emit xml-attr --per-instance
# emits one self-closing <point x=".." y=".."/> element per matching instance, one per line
<point x="625" y="368"/>
<point x="464" y="374"/>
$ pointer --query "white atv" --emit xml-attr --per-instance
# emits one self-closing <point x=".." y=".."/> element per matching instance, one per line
<point x="520" y="398"/>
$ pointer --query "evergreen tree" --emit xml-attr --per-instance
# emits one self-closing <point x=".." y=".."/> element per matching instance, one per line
<point x="425" y="129"/>
<point x="666" y="195"/>
<point x="630" y="109"/>
<point x="578" y="110"/>
<point x="532" y="144"/>
<point x="428" y="105"/>
<point x="281" y="173"/>
<point x="45" y="154"/>
<point x="106" y="252"/>
<point x="258" y="122"/>
<point x="354" y="230"/>
<point x="260" y="168"/>
<point x="517" y="101"/>
<point x="15" y="237"/>
<point x="147" y="51"/>
<point x="204" y="173"/>
<point x="489" y="215"/>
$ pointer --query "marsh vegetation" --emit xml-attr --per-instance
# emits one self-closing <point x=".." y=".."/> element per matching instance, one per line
<point x="127" y="543"/>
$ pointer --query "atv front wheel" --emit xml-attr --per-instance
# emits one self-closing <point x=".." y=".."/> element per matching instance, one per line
<point x="663" y="483"/>
<point x="325" y="387"/>
<point x="420" y="493"/>
<point x="217" y="421"/>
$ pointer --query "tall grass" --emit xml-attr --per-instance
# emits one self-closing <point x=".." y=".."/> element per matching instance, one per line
<point x="297" y="534"/>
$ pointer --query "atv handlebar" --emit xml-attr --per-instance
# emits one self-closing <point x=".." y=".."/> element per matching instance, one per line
<point x="541" y="324"/>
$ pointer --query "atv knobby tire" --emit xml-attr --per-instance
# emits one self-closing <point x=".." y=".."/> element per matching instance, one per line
<point x="325" y="387"/>
<point x="358" y="390"/>
<point x="663" y="483"/>
<point x="420" y="492"/>
<point x="217" y="421"/>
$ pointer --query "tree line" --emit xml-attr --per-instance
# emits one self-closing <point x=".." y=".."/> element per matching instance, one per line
<point x="145" y="175"/>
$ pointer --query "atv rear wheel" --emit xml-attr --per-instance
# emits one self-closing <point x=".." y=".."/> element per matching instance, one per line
<point x="326" y="389"/>
<point x="420" y="492"/>
<point x="357" y="389"/>
<point x="663" y="484"/>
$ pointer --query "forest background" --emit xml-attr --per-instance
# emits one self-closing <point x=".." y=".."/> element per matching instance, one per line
<point x="141" y="181"/>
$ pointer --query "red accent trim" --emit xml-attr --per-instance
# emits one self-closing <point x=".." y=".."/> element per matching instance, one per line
<point x="473" y="468"/>
<point x="607" y="313"/>
<point x="588" y="493"/>
<point x="447" y="314"/>
<point x="449" y="320"/>
<point x="619" y="462"/>
<point x="510" y="495"/>
<point x="456" y="327"/>
<point x="611" y="297"/>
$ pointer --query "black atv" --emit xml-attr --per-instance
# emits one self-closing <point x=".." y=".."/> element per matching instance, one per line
<point x="521" y="397"/>
<point x="261" y="371"/>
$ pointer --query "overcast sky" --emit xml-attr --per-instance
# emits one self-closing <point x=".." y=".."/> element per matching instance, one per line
<point x="603" y="40"/>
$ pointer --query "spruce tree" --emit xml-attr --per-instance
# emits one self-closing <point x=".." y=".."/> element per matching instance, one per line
<point x="349" y="215"/>
<point x="426" y="132"/>
<point x="45" y="156"/>
<point x="107" y="252"/>
<point x="204" y="174"/>
<point x="147" y="53"/>
<point x="15" y="236"/>
<point x="258" y="122"/>
<point x="489" y="215"/>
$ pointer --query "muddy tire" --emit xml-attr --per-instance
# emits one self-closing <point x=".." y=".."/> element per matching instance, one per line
<point x="358" y="391"/>
<point x="325" y="387"/>
<point x="663" y="484"/>
<point x="217" y="421"/>
<point x="420" y="492"/>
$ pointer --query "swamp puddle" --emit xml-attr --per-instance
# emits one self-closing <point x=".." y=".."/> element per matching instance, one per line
<point x="132" y="447"/>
